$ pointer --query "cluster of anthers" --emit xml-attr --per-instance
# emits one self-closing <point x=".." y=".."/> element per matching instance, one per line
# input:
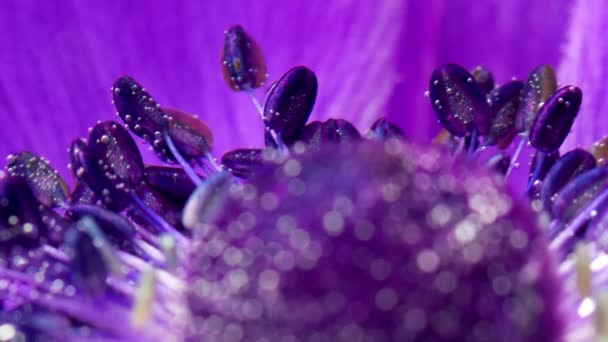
<point x="323" y="235"/>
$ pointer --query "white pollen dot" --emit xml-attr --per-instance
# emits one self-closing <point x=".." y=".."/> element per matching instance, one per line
<point x="414" y="320"/>
<point x="441" y="214"/>
<point x="364" y="230"/>
<point x="386" y="299"/>
<point x="586" y="308"/>
<point x="380" y="269"/>
<point x="333" y="222"/>
<point x="292" y="168"/>
<point x="233" y="332"/>
<point x="13" y="220"/>
<point x="501" y="285"/>
<point x="299" y="147"/>
<point x="299" y="239"/>
<point x="269" y="201"/>
<point x="8" y="332"/>
<point x="28" y="228"/>
<point x="268" y="280"/>
<point x="465" y="231"/>
<point x="284" y="260"/>
<point x="427" y="261"/>
<point x="285" y="224"/>
<point x="391" y="192"/>
<point x="518" y="239"/>
<point x="296" y="187"/>
<point x="446" y="282"/>
<point x="238" y="278"/>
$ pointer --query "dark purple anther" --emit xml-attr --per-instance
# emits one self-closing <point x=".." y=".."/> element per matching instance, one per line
<point x="499" y="162"/>
<point x="243" y="64"/>
<point x="504" y="102"/>
<point x="289" y="103"/>
<point x="191" y="136"/>
<point x="163" y="206"/>
<point x="555" y="119"/>
<point x="116" y="164"/>
<point x="83" y="194"/>
<point x="459" y="102"/>
<point x="579" y="193"/>
<point x="541" y="163"/>
<point x="484" y="78"/>
<point x="115" y="226"/>
<point x="140" y="113"/>
<point x="20" y="220"/>
<point x="550" y="160"/>
<point x="332" y="131"/>
<point x="46" y="183"/>
<point x="88" y="268"/>
<point x="144" y="117"/>
<point x="243" y="162"/>
<point x="383" y="129"/>
<point x="566" y="168"/>
<point x="171" y="181"/>
<point x="541" y="84"/>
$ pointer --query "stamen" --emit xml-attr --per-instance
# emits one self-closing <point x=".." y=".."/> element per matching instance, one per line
<point x="514" y="162"/>
<point x="144" y="299"/>
<point x="255" y="102"/>
<point x="583" y="270"/>
<point x="601" y="317"/>
<point x="167" y="243"/>
<point x="155" y="219"/>
<point x="473" y="143"/>
<point x="573" y="226"/>
<point x="214" y="164"/>
<point x="86" y="224"/>
<point x="273" y="134"/>
<point x="180" y="159"/>
<point x="537" y="171"/>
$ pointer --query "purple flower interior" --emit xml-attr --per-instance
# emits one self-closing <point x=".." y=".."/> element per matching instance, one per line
<point x="295" y="194"/>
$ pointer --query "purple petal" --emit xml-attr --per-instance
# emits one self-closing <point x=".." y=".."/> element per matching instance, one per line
<point x="585" y="63"/>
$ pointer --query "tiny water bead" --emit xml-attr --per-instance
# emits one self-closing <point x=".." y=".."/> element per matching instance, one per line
<point x="324" y="233"/>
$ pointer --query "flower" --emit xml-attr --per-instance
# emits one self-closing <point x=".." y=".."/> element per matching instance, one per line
<point x="372" y="59"/>
<point x="325" y="234"/>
